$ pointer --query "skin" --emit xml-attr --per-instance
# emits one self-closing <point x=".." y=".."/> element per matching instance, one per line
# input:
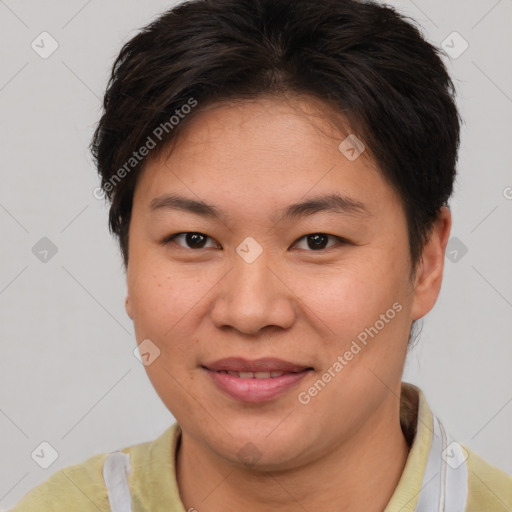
<point x="251" y="159"/>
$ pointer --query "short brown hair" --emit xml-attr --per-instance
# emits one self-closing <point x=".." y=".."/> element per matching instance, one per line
<point x="364" y="60"/>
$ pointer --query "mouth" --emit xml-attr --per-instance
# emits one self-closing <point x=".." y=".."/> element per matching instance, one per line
<point x="254" y="375"/>
<point x="255" y="381"/>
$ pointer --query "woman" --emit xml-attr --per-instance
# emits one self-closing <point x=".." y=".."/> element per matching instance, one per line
<point x="279" y="173"/>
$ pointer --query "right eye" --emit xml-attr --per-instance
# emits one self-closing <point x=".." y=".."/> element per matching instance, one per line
<point x="193" y="240"/>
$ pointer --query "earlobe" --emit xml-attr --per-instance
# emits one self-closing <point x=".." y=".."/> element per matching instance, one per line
<point x="128" y="307"/>
<point x="429" y="274"/>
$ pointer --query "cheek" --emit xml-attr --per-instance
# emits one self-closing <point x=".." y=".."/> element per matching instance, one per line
<point x="347" y="299"/>
<point x="163" y="307"/>
<point x="155" y="301"/>
<point x="167" y="304"/>
<point x="161" y="293"/>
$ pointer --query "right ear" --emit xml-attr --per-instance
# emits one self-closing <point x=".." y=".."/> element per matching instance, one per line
<point x="128" y="307"/>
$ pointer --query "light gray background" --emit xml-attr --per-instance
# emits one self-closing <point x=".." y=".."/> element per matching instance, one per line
<point x="68" y="375"/>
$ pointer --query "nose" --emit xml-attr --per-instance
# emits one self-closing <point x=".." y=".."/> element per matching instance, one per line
<point x="254" y="296"/>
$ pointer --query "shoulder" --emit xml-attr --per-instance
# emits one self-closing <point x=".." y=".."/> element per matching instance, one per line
<point x="80" y="485"/>
<point x="489" y="488"/>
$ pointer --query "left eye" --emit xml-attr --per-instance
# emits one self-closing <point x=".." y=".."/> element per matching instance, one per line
<point x="318" y="241"/>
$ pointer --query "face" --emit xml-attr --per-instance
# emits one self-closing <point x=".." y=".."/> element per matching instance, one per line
<point x="276" y="253"/>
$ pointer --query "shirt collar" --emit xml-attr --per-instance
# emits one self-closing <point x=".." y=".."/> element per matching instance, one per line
<point x="435" y="476"/>
<point x="416" y="420"/>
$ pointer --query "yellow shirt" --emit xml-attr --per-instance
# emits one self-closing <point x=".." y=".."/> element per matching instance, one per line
<point x="142" y="477"/>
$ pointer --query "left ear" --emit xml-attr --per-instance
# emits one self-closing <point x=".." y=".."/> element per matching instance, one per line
<point x="429" y="273"/>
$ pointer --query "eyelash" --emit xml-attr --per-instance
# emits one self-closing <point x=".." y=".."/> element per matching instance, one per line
<point x="167" y="240"/>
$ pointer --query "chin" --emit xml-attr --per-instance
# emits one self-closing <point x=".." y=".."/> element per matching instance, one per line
<point x="263" y="449"/>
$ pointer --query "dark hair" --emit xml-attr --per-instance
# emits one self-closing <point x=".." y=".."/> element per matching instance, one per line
<point x="364" y="60"/>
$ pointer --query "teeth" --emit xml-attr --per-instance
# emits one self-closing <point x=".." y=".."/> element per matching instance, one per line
<point x="254" y="375"/>
<point x="262" y="375"/>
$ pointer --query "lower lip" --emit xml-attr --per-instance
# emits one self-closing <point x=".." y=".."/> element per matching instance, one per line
<point x="256" y="390"/>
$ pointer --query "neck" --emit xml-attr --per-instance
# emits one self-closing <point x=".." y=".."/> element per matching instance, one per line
<point x="368" y="465"/>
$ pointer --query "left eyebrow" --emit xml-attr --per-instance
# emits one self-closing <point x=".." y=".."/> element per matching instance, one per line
<point x="334" y="203"/>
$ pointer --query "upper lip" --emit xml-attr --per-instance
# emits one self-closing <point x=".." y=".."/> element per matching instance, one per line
<point x="266" y="364"/>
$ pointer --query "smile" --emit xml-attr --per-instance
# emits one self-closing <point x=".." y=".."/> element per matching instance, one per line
<point x="255" y="381"/>
<point x="254" y="375"/>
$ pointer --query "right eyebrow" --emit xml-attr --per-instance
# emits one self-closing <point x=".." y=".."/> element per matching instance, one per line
<point x="176" y="202"/>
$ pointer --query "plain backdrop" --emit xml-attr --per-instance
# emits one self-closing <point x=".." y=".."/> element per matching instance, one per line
<point x="68" y="376"/>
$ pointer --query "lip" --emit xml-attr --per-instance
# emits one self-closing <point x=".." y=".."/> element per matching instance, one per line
<point x="265" y="364"/>
<point x="255" y="390"/>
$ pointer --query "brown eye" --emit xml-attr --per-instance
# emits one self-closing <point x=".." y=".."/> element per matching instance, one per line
<point x="319" y="241"/>
<point x="189" y="240"/>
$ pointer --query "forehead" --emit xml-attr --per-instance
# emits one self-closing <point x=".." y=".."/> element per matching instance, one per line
<point x="265" y="147"/>
<point x="275" y="123"/>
